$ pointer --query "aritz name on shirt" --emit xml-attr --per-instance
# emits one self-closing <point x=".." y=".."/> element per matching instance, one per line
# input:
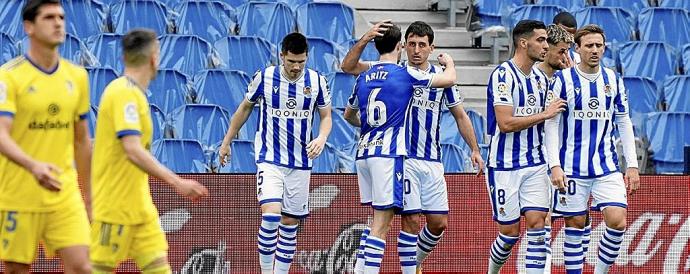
<point x="376" y="75"/>
<point x="527" y="111"/>
<point x="48" y="124"/>
<point x="374" y="143"/>
<point x="289" y="113"/>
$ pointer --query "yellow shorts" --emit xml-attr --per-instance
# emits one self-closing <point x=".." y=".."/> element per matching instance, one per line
<point x="114" y="243"/>
<point x="21" y="232"/>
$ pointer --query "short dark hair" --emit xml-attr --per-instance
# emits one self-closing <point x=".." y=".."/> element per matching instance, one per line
<point x="30" y="10"/>
<point x="589" y="29"/>
<point x="525" y="28"/>
<point x="136" y="46"/>
<point x="390" y="39"/>
<point x="421" y="29"/>
<point x="294" y="43"/>
<point x="566" y="19"/>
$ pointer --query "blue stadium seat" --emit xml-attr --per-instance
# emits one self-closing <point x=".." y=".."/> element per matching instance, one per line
<point x="449" y="129"/>
<point x="645" y="92"/>
<point x="180" y="156"/>
<point x="72" y="49"/>
<point x="245" y="53"/>
<point x="633" y="6"/>
<point x="11" y="18"/>
<point x="206" y="123"/>
<point x="107" y="49"/>
<point x="251" y="126"/>
<point x="453" y="158"/>
<point x="324" y="56"/>
<point x="370" y="52"/>
<point x="158" y="121"/>
<point x="329" y="20"/>
<point x="570" y="5"/>
<point x="544" y="13"/>
<point x="668" y="133"/>
<point x="209" y="20"/>
<point x="681" y="4"/>
<point x="93" y="115"/>
<point x="479" y="125"/>
<point x="685" y="58"/>
<point x="8" y="48"/>
<point x="341" y="85"/>
<point x="271" y="21"/>
<point x="667" y="25"/>
<point x="327" y="162"/>
<point x="241" y="158"/>
<point x="341" y="133"/>
<point x="677" y="93"/>
<point x="656" y="60"/>
<point x="84" y="18"/>
<point x="618" y="23"/>
<point x="225" y="88"/>
<point x="491" y="11"/>
<point x="346" y="157"/>
<point x="170" y="90"/>
<point x="187" y="53"/>
<point x="99" y="78"/>
<point x="129" y="14"/>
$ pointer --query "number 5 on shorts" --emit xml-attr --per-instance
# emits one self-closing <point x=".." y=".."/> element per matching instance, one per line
<point x="11" y="221"/>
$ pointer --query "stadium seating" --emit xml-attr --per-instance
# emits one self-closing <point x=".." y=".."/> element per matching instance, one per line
<point x="324" y="56"/>
<point x="370" y="52"/>
<point x="129" y="14"/>
<point x="225" y="88"/>
<point x="490" y="12"/>
<point x="245" y="53"/>
<point x="206" y="19"/>
<point x="544" y="13"/>
<point x="248" y="131"/>
<point x="180" y="156"/>
<point x="158" y="121"/>
<point x="479" y="125"/>
<point x="170" y="90"/>
<point x="8" y="48"/>
<point x="329" y="20"/>
<point x="633" y="6"/>
<point x="449" y="129"/>
<point x="11" y="18"/>
<point x="85" y="18"/>
<point x="668" y="133"/>
<point x="656" y="60"/>
<point x="685" y="58"/>
<point x="327" y="162"/>
<point x="341" y="133"/>
<point x="646" y="101"/>
<point x="206" y="123"/>
<point x="682" y="4"/>
<point x="99" y="78"/>
<point x="667" y="25"/>
<point x="271" y="21"/>
<point x="341" y="85"/>
<point x="618" y="23"/>
<point x="241" y="158"/>
<point x="107" y="48"/>
<point x="346" y="157"/>
<point x="93" y="115"/>
<point x="570" y="5"/>
<point x="453" y="158"/>
<point x="72" y="49"/>
<point x="676" y="93"/>
<point x="187" y="53"/>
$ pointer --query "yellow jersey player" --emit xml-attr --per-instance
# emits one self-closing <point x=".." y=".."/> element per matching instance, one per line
<point x="44" y="103"/>
<point x="126" y="223"/>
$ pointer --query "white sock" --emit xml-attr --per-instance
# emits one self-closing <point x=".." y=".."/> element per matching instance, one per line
<point x="426" y="242"/>
<point x="407" y="252"/>
<point x="586" y="237"/>
<point x="500" y="252"/>
<point x="373" y="254"/>
<point x="609" y="246"/>
<point x="547" y="244"/>
<point x="287" y="243"/>
<point x="572" y="250"/>
<point x="267" y="240"/>
<point x="359" y="263"/>
<point x="536" y="251"/>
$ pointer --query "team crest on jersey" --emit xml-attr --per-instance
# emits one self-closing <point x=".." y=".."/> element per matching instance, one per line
<point x="607" y="90"/>
<point x="3" y="92"/>
<point x="306" y="90"/>
<point x="563" y="202"/>
<point x="540" y="87"/>
<point x="502" y="211"/>
<point x="131" y="115"/>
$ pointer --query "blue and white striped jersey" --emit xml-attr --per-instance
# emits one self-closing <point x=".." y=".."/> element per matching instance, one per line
<point x="586" y="143"/>
<point x="425" y="119"/>
<point x="382" y="95"/>
<point x="574" y="56"/>
<point x="287" y="109"/>
<point x="509" y="86"/>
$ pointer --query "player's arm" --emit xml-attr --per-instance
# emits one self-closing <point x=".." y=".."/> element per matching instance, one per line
<point x="143" y="159"/>
<point x="352" y="117"/>
<point x="625" y="130"/>
<point x="448" y="76"/>
<point x="82" y="158"/>
<point x="551" y="139"/>
<point x="323" y="103"/>
<point x="236" y="122"/>
<point x="351" y="63"/>
<point x="467" y="132"/>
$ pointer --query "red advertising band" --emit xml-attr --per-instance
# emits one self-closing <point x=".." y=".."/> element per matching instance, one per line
<point x="219" y="233"/>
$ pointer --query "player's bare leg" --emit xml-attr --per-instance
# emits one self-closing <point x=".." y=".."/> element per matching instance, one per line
<point x="75" y="259"/>
<point x="436" y="224"/>
<point x="610" y="243"/>
<point x="375" y="245"/>
<point x="16" y="268"/>
<point x="407" y="242"/>
<point x="268" y="235"/>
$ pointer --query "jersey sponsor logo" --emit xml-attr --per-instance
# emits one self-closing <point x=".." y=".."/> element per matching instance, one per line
<point x="591" y="115"/>
<point x="291" y="103"/>
<point x="48" y="125"/>
<point x="593" y="103"/>
<point x="53" y="109"/>
<point x="131" y="115"/>
<point x="372" y="144"/>
<point x="3" y="92"/>
<point x="531" y="100"/>
<point x="289" y="113"/>
<point x="425" y="104"/>
<point x="526" y="111"/>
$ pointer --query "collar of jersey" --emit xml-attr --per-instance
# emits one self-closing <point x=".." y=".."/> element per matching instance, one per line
<point x="49" y="72"/>
<point x="585" y="75"/>
<point x="282" y="74"/>
<point x="517" y="68"/>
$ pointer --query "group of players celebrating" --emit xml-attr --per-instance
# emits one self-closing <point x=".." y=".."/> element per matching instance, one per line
<point x="552" y="114"/>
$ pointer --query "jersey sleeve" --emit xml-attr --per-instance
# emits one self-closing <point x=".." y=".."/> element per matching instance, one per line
<point x="621" y="100"/>
<point x="8" y="95"/>
<point x="501" y="87"/>
<point x="84" y="105"/>
<point x="453" y="96"/>
<point x="323" y="98"/>
<point x="419" y="78"/>
<point x="255" y="88"/>
<point x="556" y="89"/>
<point x="352" y="101"/>
<point x="126" y="118"/>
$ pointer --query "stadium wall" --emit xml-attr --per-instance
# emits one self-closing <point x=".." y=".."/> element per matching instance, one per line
<point x="218" y="235"/>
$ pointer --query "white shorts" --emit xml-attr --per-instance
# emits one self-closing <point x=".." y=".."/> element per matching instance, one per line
<point x="512" y="192"/>
<point x="381" y="182"/>
<point x="608" y="190"/>
<point x="288" y="186"/>
<point x="425" y="188"/>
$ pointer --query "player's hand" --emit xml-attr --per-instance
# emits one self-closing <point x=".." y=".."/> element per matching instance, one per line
<point x="315" y="147"/>
<point x="445" y="60"/>
<point x="191" y="189"/>
<point x="632" y="180"/>
<point x="477" y="162"/>
<point x="556" y="106"/>
<point x="377" y="30"/>
<point x="568" y="62"/>
<point x="45" y="174"/>
<point x="558" y="178"/>
<point x="224" y="154"/>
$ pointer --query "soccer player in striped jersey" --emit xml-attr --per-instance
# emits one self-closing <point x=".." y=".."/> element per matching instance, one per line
<point x="425" y="186"/>
<point x="287" y="95"/>
<point x="44" y="145"/>
<point x="581" y="152"/>
<point x="568" y="22"/>
<point x="380" y="104"/>
<point x="517" y="179"/>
